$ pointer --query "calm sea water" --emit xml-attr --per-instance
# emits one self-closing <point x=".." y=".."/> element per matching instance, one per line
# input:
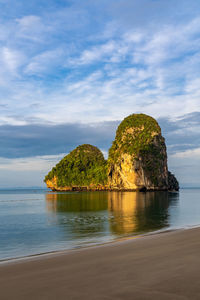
<point x="36" y="221"/>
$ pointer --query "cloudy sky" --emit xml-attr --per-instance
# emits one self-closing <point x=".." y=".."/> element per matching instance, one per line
<point x="70" y="71"/>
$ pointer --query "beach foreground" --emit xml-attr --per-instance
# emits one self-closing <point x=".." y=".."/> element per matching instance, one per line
<point x="160" y="266"/>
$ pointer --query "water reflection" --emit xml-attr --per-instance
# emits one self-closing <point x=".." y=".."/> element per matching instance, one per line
<point x="77" y="202"/>
<point x="90" y="214"/>
<point x="139" y="212"/>
<point x="82" y="215"/>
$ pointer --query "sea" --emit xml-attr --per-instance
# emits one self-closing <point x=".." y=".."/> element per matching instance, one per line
<point x="35" y="221"/>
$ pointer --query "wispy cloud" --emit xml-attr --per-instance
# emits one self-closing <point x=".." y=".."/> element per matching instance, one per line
<point x="45" y="62"/>
<point x="194" y="153"/>
<point x="31" y="28"/>
<point x="140" y="70"/>
<point x="24" y="172"/>
<point x="35" y="163"/>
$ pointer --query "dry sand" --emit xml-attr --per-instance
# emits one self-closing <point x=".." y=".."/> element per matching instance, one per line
<point x="162" y="266"/>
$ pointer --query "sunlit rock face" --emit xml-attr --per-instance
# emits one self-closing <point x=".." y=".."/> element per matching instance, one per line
<point x="138" y="158"/>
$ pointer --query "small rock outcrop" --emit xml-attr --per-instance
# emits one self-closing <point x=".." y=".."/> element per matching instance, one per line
<point x="173" y="184"/>
<point x="82" y="169"/>
<point x="137" y="160"/>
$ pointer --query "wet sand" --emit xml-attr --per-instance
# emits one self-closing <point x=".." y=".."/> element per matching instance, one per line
<point x="161" y="266"/>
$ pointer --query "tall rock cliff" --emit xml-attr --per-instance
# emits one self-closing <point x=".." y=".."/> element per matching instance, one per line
<point x="138" y="157"/>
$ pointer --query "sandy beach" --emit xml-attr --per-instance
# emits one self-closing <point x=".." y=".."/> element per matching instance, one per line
<point x="160" y="266"/>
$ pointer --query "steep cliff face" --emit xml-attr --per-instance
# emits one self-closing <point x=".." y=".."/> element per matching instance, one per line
<point x="82" y="169"/>
<point x="138" y="157"/>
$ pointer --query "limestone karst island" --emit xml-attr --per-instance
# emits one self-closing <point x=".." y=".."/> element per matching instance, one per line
<point x="137" y="160"/>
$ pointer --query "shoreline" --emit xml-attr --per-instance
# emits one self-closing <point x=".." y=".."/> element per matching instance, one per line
<point x="41" y="255"/>
<point x="156" y="266"/>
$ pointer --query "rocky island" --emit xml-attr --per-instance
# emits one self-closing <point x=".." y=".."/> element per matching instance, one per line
<point x="137" y="160"/>
<point x="84" y="168"/>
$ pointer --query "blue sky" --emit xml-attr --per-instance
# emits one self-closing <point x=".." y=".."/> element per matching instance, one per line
<point x="70" y="71"/>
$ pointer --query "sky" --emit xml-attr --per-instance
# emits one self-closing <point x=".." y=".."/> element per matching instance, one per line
<point x="70" y="71"/>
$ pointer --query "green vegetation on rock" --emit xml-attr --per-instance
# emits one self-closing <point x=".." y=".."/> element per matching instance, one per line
<point x="134" y="136"/>
<point x="84" y="166"/>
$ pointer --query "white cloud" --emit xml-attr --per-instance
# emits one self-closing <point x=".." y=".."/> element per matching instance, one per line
<point x="37" y="163"/>
<point x="191" y="154"/>
<point x="28" y="22"/>
<point x="26" y="172"/>
<point x="95" y="54"/>
<point x="192" y="86"/>
<point x="11" y="121"/>
<point x="32" y="28"/>
<point x="45" y="61"/>
<point x="11" y="60"/>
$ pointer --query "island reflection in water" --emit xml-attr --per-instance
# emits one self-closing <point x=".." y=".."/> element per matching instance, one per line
<point x="98" y="214"/>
